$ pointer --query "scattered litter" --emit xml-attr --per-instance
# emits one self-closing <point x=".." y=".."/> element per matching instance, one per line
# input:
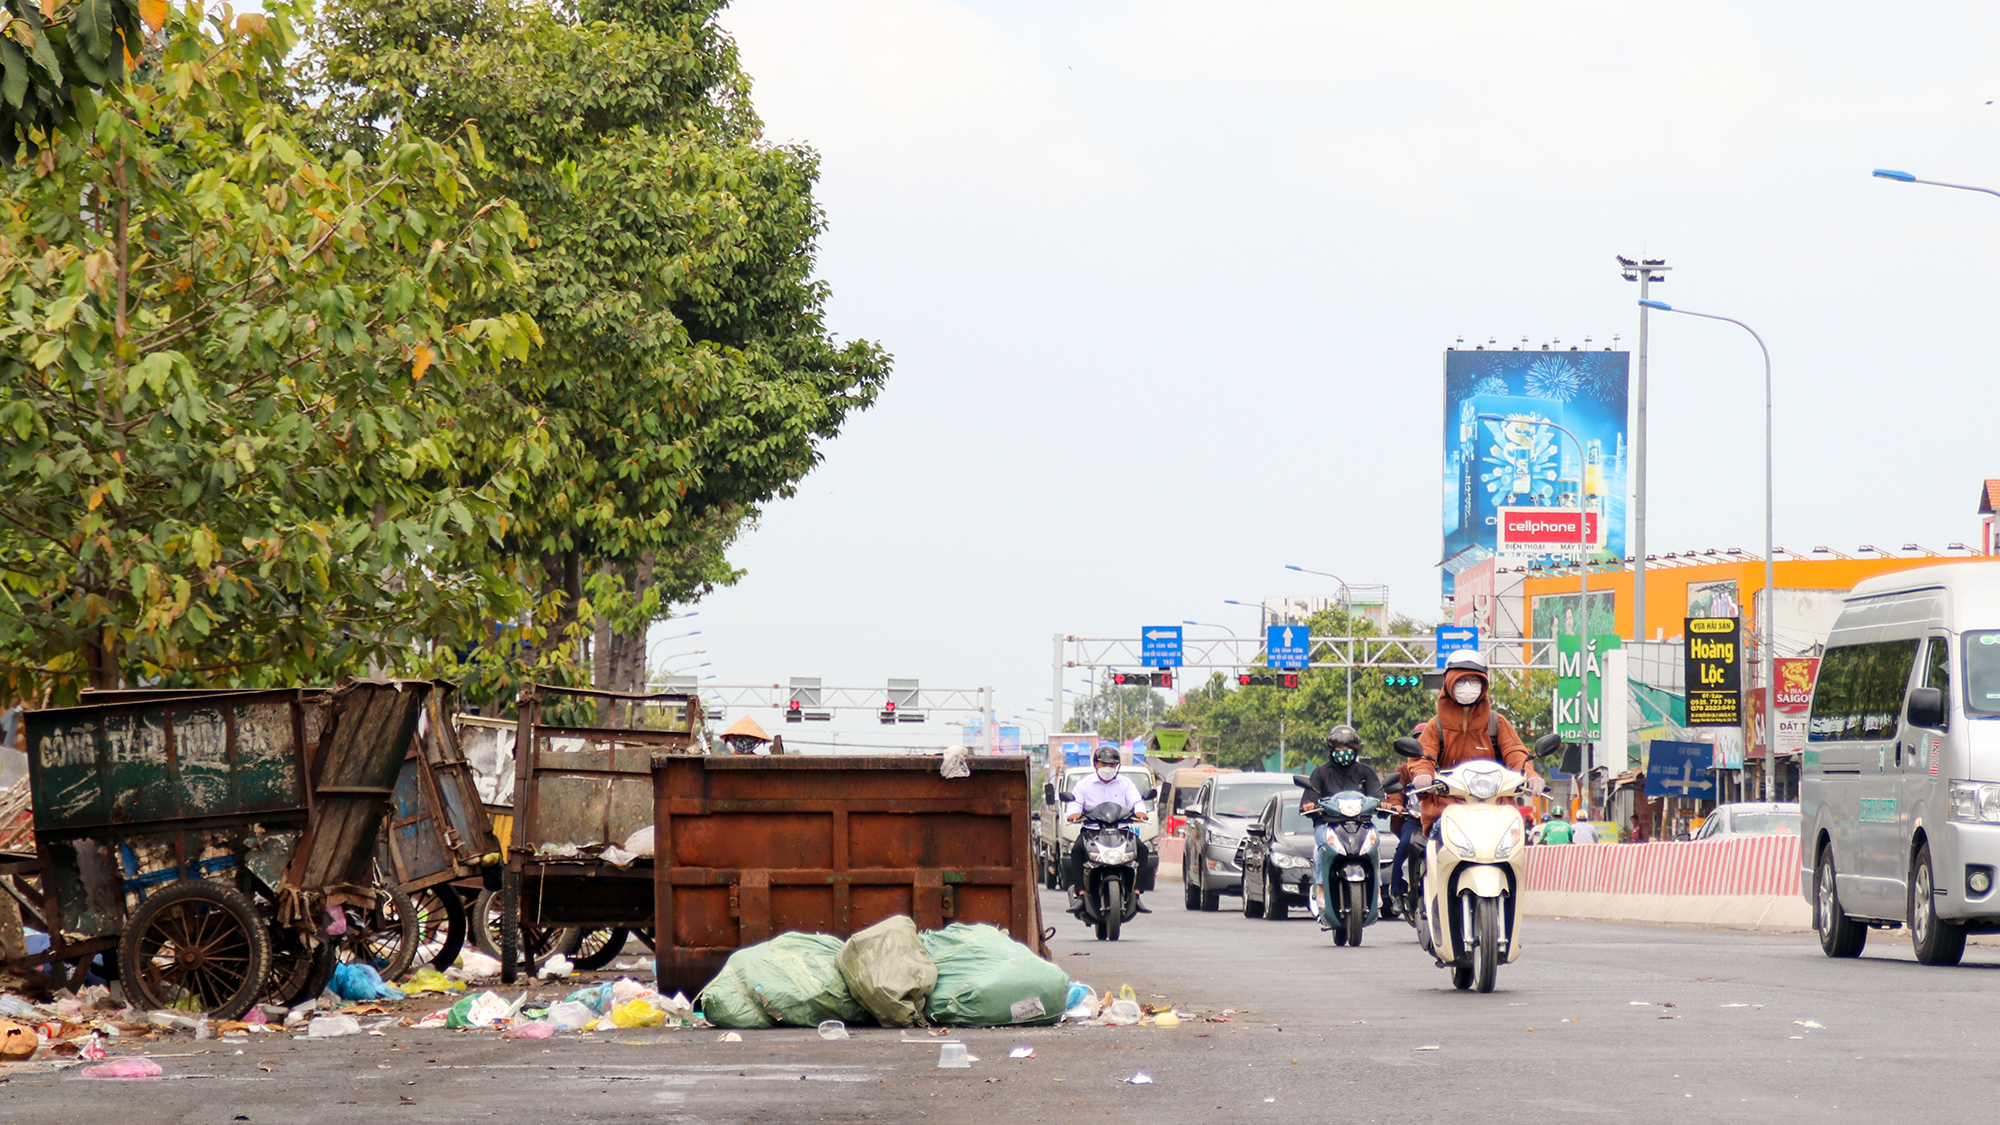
<point x="353" y="980"/>
<point x="474" y="965"/>
<point x="332" y="1027"/>
<point x="555" y="968"/>
<point x="1140" y="1078"/>
<point x="1639" y="1003"/>
<point x="729" y="1037"/>
<point x="640" y="843"/>
<point x="17" y="1041"/>
<point x="137" y="1066"/>
<point x="831" y="1030"/>
<point x="428" y="979"/>
<point x="1022" y="1051"/>
<point x="1435" y="1047"/>
<point x="535" y="1030"/>
<point x="617" y="856"/>
<point x="952" y="1056"/>
<point x="1736" y="1005"/>
<point x="171" y="1021"/>
<point x="570" y="1015"/>
<point x="1811" y="1025"/>
<point x="1167" y="1018"/>
<point x="636" y="1013"/>
<point x="1268" y="1101"/>
<point x="1796" y="1037"/>
<point x="483" y="1009"/>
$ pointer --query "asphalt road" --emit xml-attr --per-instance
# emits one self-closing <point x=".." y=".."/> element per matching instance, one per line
<point x="1599" y="1022"/>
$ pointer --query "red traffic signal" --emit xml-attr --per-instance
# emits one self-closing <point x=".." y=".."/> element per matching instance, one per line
<point x="1268" y="679"/>
<point x="793" y="713"/>
<point x="888" y="713"/>
<point x="1143" y="679"/>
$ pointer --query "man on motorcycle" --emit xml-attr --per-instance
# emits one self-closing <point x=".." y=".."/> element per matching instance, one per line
<point x="1467" y="728"/>
<point x="1555" y="830"/>
<point x="1107" y="785"/>
<point x="1342" y="770"/>
<point x="1404" y="823"/>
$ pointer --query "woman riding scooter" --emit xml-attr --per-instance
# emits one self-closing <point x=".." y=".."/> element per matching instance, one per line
<point x="1467" y="728"/>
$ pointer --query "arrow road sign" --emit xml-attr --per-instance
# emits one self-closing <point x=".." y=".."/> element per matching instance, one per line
<point x="1160" y="646"/>
<point x="1451" y="638"/>
<point x="1287" y="646"/>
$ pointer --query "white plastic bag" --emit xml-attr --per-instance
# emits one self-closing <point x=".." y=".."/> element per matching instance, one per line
<point x="640" y="843"/>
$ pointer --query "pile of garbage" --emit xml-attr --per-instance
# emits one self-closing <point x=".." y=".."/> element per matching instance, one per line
<point x="606" y="1006"/>
<point x="891" y="974"/>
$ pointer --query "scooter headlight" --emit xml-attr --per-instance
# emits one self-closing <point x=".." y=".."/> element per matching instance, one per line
<point x="1349" y="807"/>
<point x="1484" y="787"/>
<point x="1111" y="852"/>
<point x="1456" y="839"/>
<point x="1510" y="842"/>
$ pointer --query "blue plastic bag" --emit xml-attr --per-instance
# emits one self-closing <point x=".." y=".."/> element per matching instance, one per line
<point x="356" y="981"/>
<point x="597" y="997"/>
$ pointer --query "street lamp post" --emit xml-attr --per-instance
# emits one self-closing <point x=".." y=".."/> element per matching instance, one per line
<point x="1583" y="594"/>
<point x="1906" y="178"/>
<point x="1346" y="607"/>
<point x="1645" y="271"/>
<point x="1768" y="625"/>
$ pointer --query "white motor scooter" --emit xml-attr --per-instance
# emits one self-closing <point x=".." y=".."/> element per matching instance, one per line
<point x="1474" y="869"/>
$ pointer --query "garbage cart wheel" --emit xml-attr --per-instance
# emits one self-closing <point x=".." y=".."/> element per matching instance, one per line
<point x="591" y="950"/>
<point x="483" y="926"/>
<point x="196" y="939"/>
<point x="386" y="937"/>
<point x="298" y="972"/>
<point x="441" y="925"/>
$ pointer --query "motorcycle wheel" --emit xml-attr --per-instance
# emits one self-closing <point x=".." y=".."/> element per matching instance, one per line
<point x="1339" y="933"/>
<point x="1114" y="908"/>
<point x="1274" y="900"/>
<point x="1486" y="935"/>
<point x="1357" y="911"/>
<point x="1461" y="977"/>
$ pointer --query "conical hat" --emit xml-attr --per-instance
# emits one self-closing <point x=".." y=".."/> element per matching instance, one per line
<point x="746" y="726"/>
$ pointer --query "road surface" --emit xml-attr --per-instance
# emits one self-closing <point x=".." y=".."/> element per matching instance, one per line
<point x="1600" y="1022"/>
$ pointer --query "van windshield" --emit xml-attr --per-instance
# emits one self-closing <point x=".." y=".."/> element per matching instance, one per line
<point x="1982" y="672"/>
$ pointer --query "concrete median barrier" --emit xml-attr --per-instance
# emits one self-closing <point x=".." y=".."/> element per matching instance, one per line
<point x="1751" y="883"/>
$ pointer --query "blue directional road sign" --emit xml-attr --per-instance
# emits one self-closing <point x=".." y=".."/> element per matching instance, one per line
<point x="1160" y="646"/>
<point x="1287" y="646"/>
<point x="1680" y="769"/>
<point x="1451" y="638"/>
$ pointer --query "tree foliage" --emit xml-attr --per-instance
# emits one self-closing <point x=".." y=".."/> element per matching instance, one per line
<point x="688" y="375"/>
<point x="240" y="413"/>
<point x="55" y="56"/>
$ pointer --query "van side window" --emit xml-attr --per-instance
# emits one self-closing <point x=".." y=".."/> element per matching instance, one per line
<point x="1937" y="672"/>
<point x="1859" y="694"/>
<point x="1982" y="670"/>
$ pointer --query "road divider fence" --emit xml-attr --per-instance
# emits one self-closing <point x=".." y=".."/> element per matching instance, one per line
<point x="1746" y="883"/>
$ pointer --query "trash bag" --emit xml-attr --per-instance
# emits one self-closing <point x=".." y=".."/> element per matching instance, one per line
<point x="356" y="981"/>
<point x="987" y="979"/>
<point x="637" y="1013"/>
<point x="481" y="1010"/>
<point x="888" y="972"/>
<point x="428" y="979"/>
<point x="789" y="980"/>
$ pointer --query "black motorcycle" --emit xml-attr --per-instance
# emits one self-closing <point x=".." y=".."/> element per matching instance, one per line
<point x="1110" y="868"/>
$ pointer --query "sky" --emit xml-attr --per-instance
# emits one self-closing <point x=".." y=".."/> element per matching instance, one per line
<point x="1167" y="285"/>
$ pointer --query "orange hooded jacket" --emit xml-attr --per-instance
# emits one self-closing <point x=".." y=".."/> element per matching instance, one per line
<point x="1459" y="734"/>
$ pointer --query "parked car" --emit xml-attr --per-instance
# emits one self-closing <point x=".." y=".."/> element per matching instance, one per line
<point x="1178" y="791"/>
<point x="1276" y="858"/>
<point x="1223" y="807"/>
<point x="1751" y="818"/>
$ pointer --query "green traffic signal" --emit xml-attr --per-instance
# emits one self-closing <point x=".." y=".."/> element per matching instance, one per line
<point x="1402" y="681"/>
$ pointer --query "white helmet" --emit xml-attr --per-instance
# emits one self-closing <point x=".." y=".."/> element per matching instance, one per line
<point x="1467" y="659"/>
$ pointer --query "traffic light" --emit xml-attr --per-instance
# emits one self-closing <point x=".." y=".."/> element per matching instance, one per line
<point x="888" y="713"/>
<point x="793" y="713"/>
<point x="1143" y="679"/>
<point x="1268" y="679"/>
<point x="1402" y="681"/>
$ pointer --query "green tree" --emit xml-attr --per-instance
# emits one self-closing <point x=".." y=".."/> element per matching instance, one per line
<point x="688" y="375"/>
<point x="233" y="393"/>
<point x="1118" y="713"/>
<point x="55" y="57"/>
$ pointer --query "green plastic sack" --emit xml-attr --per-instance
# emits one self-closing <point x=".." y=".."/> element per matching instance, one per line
<point x="789" y="980"/>
<point x="888" y="972"/>
<point x="987" y="979"/>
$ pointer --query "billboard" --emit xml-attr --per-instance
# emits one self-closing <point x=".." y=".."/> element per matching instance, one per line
<point x="1502" y="456"/>
<point x="1714" y="672"/>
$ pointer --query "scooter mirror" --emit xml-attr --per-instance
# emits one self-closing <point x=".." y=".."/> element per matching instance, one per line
<point x="1548" y="744"/>
<point x="1153" y="794"/>
<point x="1392" y="787"/>
<point x="1301" y="780"/>
<point x="1408" y="747"/>
<point x="1049" y="793"/>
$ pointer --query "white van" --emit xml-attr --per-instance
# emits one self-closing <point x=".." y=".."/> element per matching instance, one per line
<point x="1900" y="779"/>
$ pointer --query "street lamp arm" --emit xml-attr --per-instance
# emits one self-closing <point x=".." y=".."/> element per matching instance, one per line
<point x="1906" y="178"/>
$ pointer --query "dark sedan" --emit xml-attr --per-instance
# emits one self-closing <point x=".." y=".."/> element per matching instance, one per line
<point x="1276" y="859"/>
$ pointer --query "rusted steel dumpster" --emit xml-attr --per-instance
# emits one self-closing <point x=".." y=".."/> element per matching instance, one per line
<point x="579" y="792"/>
<point x="751" y="847"/>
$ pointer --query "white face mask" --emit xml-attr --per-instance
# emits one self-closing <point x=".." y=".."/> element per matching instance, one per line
<point x="1106" y="773"/>
<point x="1467" y="691"/>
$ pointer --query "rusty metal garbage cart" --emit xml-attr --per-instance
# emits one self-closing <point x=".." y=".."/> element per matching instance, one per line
<point x="193" y="832"/>
<point x="750" y="847"/>
<point x="580" y="793"/>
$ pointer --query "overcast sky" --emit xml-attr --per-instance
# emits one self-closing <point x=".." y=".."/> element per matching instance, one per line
<point x="1167" y="285"/>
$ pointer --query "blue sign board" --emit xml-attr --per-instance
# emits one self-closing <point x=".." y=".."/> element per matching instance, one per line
<point x="1451" y="638"/>
<point x="1287" y="646"/>
<point x="1680" y="769"/>
<point x="1160" y="646"/>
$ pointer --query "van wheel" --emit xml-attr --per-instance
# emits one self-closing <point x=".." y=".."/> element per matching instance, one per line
<point x="1936" y="941"/>
<point x="1839" y="935"/>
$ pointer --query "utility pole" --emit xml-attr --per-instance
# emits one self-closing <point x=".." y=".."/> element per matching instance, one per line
<point x="1056" y="692"/>
<point x="1645" y="271"/>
